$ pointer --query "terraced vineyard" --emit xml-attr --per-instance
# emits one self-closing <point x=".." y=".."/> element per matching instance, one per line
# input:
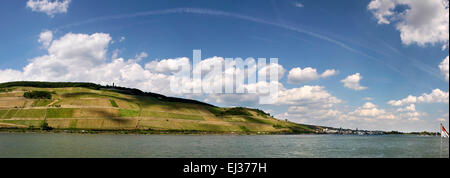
<point x="115" y="108"/>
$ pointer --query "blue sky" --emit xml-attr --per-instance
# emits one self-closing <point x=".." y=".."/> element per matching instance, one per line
<point x="394" y="60"/>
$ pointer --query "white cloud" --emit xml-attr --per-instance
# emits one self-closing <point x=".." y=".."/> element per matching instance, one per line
<point x="444" y="68"/>
<point x="307" y="95"/>
<point x="410" y="112"/>
<point x="10" y="75"/>
<point x="436" y="96"/>
<point x="141" y="56"/>
<point x="411" y="107"/>
<point x="80" y="49"/>
<point x="83" y="57"/>
<point x="309" y="104"/>
<point x="167" y="65"/>
<point x="419" y="21"/>
<point x="310" y="114"/>
<point x="370" y="113"/>
<point x="265" y="71"/>
<point x="298" y="4"/>
<point x="45" y="38"/>
<point x="314" y="99"/>
<point x="298" y="75"/>
<point x="382" y="9"/>
<point x="352" y="82"/>
<point x="370" y="110"/>
<point x="368" y="116"/>
<point x="49" y="7"/>
<point x="329" y="73"/>
<point x="115" y="54"/>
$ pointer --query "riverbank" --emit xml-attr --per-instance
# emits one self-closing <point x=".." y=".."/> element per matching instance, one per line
<point x="180" y="132"/>
<point x="146" y="132"/>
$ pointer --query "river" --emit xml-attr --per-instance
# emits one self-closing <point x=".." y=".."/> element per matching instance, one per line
<point x="55" y="145"/>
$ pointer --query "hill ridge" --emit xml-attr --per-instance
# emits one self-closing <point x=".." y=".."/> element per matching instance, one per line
<point x="89" y="106"/>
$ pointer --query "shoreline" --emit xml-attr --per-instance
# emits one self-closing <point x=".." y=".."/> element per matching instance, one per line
<point x="169" y="132"/>
<point x="172" y="132"/>
<point x="144" y="132"/>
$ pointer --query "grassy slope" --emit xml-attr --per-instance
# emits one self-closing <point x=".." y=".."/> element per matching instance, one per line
<point x="104" y="109"/>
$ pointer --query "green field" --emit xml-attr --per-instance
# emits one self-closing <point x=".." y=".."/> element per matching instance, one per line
<point x="113" y="103"/>
<point x="10" y="114"/>
<point x="28" y="123"/>
<point x="128" y="113"/>
<point x="3" y="112"/>
<point x="167" y="115"/>
<point x="30" y="113"/>
<point x="90" y="106"/>
<point x="59" y="113"/>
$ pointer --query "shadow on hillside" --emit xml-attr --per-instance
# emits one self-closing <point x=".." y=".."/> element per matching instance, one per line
<point x="146" y="101"/>
<point x="81" y="94"/>
<point x="143" y="101"/>
<point x="111" y="116"/>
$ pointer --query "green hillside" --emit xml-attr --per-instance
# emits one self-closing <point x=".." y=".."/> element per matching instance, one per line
<point x="87" y="106"/>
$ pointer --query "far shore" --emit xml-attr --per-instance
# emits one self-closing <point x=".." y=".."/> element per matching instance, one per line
<point x="146" y="132"/>
<point x="170" y="132"/>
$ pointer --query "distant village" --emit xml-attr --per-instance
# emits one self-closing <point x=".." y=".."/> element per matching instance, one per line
<point x="341" y="131"/>
<point x="348" y="132"/>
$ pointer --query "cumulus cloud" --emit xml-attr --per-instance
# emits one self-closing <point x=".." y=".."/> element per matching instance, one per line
<point x="83" y="57"/>
<point x="370" y="110"/>
<point x="310" y="115"/>
<point x="307" y="95"/>
<point x="49" y="7"/>
<point x="329" y="73"/>
<point x="298" y="75"/>
<point x="309" y="104"/>
<point x="411" y="107"/>
<point x="444" y="68"/>
<point x="367" y="116"/>
<point x="45" y="38"/>
<point x="418" y="21"/>
<point x="168" y="65"/>
<point x="352" y="82"/>
<point x="436" y="96"/>
<point x="265" y="71"/>
<point x="409" y="112"/>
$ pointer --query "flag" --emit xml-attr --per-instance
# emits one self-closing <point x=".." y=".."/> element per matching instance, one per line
<point x="444" y="132"/>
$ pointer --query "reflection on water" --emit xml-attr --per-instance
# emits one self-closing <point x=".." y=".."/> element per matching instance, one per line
<point x="213" y="146"/>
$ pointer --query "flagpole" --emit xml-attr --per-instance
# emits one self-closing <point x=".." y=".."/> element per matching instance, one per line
<point x="440" y="129"/>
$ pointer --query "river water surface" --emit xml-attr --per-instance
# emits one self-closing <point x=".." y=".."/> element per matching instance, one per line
<point x="22" y="145"/>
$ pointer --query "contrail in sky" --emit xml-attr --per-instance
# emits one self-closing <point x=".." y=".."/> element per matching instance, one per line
<point x="211" y="12"/>
<point x="216" y="13"/>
